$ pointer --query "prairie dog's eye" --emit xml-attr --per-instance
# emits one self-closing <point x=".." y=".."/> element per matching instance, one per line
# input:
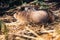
<point x="22" y="8"/>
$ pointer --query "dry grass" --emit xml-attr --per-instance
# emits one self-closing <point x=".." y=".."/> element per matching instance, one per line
<point x="16" y="31"/>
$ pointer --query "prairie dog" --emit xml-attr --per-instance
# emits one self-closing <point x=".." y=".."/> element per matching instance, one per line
<point x="34" y="16"/>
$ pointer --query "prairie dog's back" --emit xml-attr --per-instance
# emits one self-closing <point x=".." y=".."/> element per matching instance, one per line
<point x="38" y="16"/>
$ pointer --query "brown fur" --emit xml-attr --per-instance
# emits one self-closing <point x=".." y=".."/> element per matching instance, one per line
<point x="40" y="16"/>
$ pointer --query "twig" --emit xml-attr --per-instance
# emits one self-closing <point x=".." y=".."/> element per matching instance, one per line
<point x="32" y="31"/>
